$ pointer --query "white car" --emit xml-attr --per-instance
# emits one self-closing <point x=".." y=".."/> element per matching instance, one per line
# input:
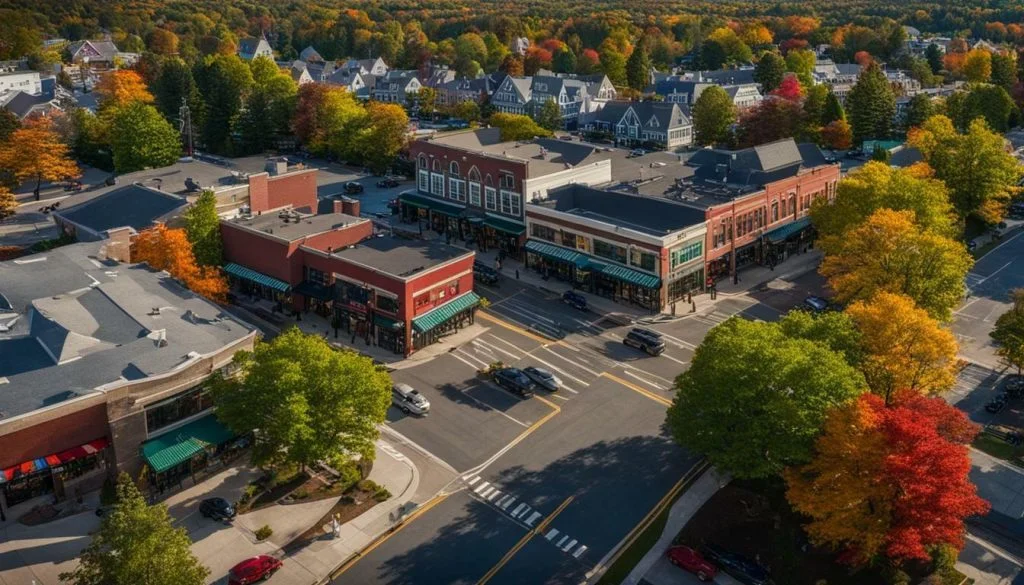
<point x="408" y="400"/>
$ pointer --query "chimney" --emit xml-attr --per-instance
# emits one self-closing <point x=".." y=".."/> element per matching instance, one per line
<point x="118" y="245"/>
<point x="276" y="166"/>
<point x="339" y="206"/>
<point x="350" y="206"/>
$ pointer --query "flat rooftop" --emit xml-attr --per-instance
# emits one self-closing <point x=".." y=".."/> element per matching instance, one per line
<point x="543" y="156"/>
<point x="655" y="216"/>
<point x="400" y="256"/>
<point x="289" y="226"/>
<point x="72" y="322"/>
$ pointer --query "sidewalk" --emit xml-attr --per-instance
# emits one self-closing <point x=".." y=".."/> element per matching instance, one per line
<point x="754" y="277"/>
<point x="651" y="566"/>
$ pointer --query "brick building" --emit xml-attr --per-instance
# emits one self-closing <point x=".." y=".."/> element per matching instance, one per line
<point x="102" y="366"/>
<point x="396" y="293"/>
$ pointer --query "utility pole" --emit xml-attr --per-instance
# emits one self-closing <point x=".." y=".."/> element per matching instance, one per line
<point x="185" y="117"/>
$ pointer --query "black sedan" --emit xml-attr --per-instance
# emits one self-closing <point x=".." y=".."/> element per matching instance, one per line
<point x="217" y="508"/>
<point x="741" y="568"/>
<point x="515" y="381"/>
<point x="387" y="183"/>
<point x="543" y="378"/>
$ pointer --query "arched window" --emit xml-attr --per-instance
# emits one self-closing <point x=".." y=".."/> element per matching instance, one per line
<point x="474" y="174"/>
<point x="792" y="204"/>
<point x="437" y="165"/>
<point x="423" y="161"/>
<point x="488" y="181"/>
<point x="453" y="169"/>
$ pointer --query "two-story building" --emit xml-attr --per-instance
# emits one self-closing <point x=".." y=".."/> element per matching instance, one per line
<point x="575" y="95"/>
<point x="685" y="92"/>
<point x="473" y="185"/>
<point x="396" y="86"/>
<point x="661" y="125"/>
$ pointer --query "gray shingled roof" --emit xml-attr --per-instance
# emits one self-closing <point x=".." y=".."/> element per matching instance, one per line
<point x="133" y="206"/>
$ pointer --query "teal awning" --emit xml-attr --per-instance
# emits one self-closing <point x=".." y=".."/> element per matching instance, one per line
<point x="386" y="322"/>
<point x="431" y="319"/>
<point x="179" y="445"/>
<point x="249" y="274"/>
<point x="781" y="233"/>
<point x="627" y="275"/>
<point x="432" y="203"/>
<point x="505" y="225"/>
<point x="557" y="253"/>
<point x="315" y="290"/>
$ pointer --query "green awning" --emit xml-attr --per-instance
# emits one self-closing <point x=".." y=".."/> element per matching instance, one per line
<point x="315" y="290"/>
<point x="431" y="319"/>
<point x="505" y="225"/>
<point x="242" y="272"/>
<point x="386" y="322"/>
<point x="179" y="445"/>
<point x="557" y="253"/>
<point x="627" y="275"/>
<point x="781" y="233"/>
<point x="431" y="203"/>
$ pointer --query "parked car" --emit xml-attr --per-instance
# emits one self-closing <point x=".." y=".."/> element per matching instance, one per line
<point x="353" y="188"/>
<point x="575" y="300"/>
<point x="254" y="569"/>
<point x="484" y="273"/>
<point x="543" y="378"/>
<point x="645" y="340"/>
<point x="515" y="381"/>
<point x="217" y="508"/>
<point x="996" y="404"/>
<point x="387" y="183"/>
<point x="816" y="304"/>
<point x="692" y="561"/>
<point x="1014" y="386"/>
<point x="409" y="400"/>
<point x="739" y="567"/>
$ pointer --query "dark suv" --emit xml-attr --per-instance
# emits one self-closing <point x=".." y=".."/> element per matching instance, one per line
<point x="739" y="567"/>
<point x="645" y="340"/>
<point x="484" y="273"/>
<point x="515" y="381"/>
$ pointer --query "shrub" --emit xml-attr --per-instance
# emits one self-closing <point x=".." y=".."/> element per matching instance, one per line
<point x="349" y="475"/>
<point x="264" y="532"/>
<point x="382" y="494"/>
<point x="367" y="485"/>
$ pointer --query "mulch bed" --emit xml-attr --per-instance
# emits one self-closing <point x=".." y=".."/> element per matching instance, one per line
<point x="271" y="496"/>
<point x="39" y="515"/>
<point x="349" y="507"/>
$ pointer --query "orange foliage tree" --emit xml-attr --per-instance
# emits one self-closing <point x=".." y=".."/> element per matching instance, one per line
<point x="168" y="249"/>
<point x="35" y="151"/>
<point x="121" y="87"/>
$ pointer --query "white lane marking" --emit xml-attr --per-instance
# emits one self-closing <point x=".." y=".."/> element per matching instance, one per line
<point x="665" y="355"/>
<point x="489" y="406"/>
<point x="486" y="494"/>
<point x="493" y="495"/>
<point x="533" y="518"/>
<point x="480" y="488"/>
<point x="579" y="551"/>
<point x="518" y="509"/>
<point x="576" y="349"/>
<point x="994" y="273"/>
<point x="564" y="538"/>
<point x="525" y="314"/>
<point x="648" y="382"/>
<point x="1003" y="244"/>
<point x="532" y="311"/>
<point x="561" y="371"/>
<point x="466" y="361"/>
<point x="551" y="534"/>
<point x="678" y="341"/>
<point x="567" y="360"/>
<point x="646" y="373"/>
<point x="508" y="343"/>
<point x="475" y="479"/>
<point x="496" y="348"/>
<point x="507" y="503"/>
<point x="561" y="397"/>
<point x="501" y="502"/>
<point x="571" y="544"/>
<point x="525" y="512"/>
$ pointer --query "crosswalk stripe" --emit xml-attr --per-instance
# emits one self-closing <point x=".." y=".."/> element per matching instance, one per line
<point x="564" y="538"/>
<point x="551" y="534"/>
<point x="570" y="545"/>
<point x="523" y="514"/>
<point x="533" y="518"/>
<point x="515" y="513"/>
<point x="493" y="495"/>
<point x="579" y="551"/>
<point x="480" y="488"/>
<point x="475" y="479"/>
<point x="487" y="492"/>
<point x="507" y="503"/>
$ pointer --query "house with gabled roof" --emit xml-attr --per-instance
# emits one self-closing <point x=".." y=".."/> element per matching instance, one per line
<point x="395" y="86"/>
<point x="655" y="124"/>
<point x="513" y="95"/>
<point x="251" y="48"/>
<point x="310" y="55"/>
<point x="358" y="83"/>
<point x="367" y="66"/>
<point x="99" y="53"/>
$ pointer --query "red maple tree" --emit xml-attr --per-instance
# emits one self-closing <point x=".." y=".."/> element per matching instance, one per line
<point x="789" y="89"/>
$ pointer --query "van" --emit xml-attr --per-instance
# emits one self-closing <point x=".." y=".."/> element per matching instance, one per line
<point x="408" y="400"/>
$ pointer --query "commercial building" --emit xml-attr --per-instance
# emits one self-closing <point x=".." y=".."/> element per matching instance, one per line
<point x="102" y="366"/>
<point x="393" y="292"/>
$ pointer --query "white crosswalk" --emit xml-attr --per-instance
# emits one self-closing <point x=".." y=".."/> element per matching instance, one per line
<point x="522" y="512"/>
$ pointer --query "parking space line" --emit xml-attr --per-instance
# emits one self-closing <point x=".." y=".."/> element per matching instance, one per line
<point x="638" y="389"/>
<point x="465" y="361"/>
<point x="567" y="360"/>
<point x="507" y="503"/>
<point x="518" y="509"/>
<point x="509" y="343"/>
<point x="481" y="487"/>
<point x="472" y="481"/>
<point x="563" y="539"/>
<point x="658" y="386"/>
<point x="493" y="495"/>
<point x="678" y="361"/>
<point x="561" y="371"/>
<point x="496" y="348"/>
<point x="489" y="317"/>
<point x="562" y="398"/>
<point x="533" y="518"/>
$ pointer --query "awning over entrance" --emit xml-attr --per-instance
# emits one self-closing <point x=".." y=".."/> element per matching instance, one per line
<point x="251" y="275"/>
<point x="505" y="225"/>
<point x="386" y="322"/>
<point x="179" y="445"/>
<point x="315" y="290"/>
<point x="431" y="319"/>
<point x="431" y="203"/>
<point x="42" y="463"/>
<point x="627" y="275"/>
<point x="781" y="233"/>
<point x="557" y="253"/>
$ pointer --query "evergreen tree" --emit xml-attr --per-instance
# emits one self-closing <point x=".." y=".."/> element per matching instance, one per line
<point x="638" y="69"/>
<point x="770" y="71"/>
<point x="919" y="109"/>
<point x="225" y="82"/>
<point x="934" y="56"/>
<point x="871" y="105"/>
<point x="833" y="109"/>
<point x="712" y="55"/>
<point x="1004" y="71"/>
<point x="550" y="115"/>
<point x="173" y="83"/>
<point x="613" y="63"/>
<point x="202" y="226"/>
<point x="713" y="116"/>
<point x="564" y="61"/>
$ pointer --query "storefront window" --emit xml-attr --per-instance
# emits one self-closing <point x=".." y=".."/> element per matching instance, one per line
<point x="189" y="403"/>
<point x="685" y="254"/>
<point x="568" y="239"/>
<point x="542" y="232"/>
<point x="644" y="260"/>
<point x="387" y="304"/>
<point x="610" y="251"/>
<point x="316" y="276"/>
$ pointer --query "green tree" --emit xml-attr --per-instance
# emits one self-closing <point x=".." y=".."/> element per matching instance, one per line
<point x="975" y="166"/>
<point x="137" y="543"/>
<point x="977" y="67"/>
<point x="877" y="186"/>
<point x="383" y="136"/>
<point x="712" y="55"/>
<point x="934" y="56"/>
<point x="754" y="398"/>
<point x="326" y="117"/>
<point x="564" y="61"/>
<point x="304" y="400"/>
<point x="1009" y="333"/>
<point x="638" y="69"/>
<point x="801" y="62"/>
<point x="769" y="71"/>
<point x="982" y="100"/>
<point x="224" y="82"/>
<point x="425" y="100"/>
<point x="467" y="110"/>
<point x="833" y="109"/>
<point x="1004" y="70"/>
<point x="613" y="63"/>
<point x="919" y="110"/>
<point x="269" y="107"/>
<point x="470" y="53"/>
<point x="871" y="105"/>
<point x="496" y="50"/>
<point x="141" y="138"/>
<point x="174" y="82"/>
<point x="517" y="127"/>
<point x="713" y="116"/>
<point x="550" y="115"/>
<point x="202" y="225"/>
<point x="815" y="101"/>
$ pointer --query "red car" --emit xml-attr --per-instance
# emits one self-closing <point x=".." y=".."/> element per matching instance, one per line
<point x="692" y="561"/>
<point x="254" y="569"/>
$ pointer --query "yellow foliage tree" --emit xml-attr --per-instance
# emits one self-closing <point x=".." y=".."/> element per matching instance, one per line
<point x="904" y="348"/>
<point x="35" y="151"/>
<point x="117" y="88"/>
<point x="890" y="253"/>
<point x="977" y="66"/>
<point x="8" y="204"/>
<point x="169" y="249"/>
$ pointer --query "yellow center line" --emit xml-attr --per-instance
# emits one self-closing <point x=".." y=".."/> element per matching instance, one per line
<point x="489" y="317"/>
<point x="638" y="389"/>
<point x="522" y="542"/>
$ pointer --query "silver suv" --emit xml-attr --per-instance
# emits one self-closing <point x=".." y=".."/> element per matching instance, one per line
<point x="409" y="400"/>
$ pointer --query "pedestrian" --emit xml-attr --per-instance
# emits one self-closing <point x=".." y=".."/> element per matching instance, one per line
<point x="517" y="274"/>
<point x="693" y="306"/>
<point x="497" y="264"/>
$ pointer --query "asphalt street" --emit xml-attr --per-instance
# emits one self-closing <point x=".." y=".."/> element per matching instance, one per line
<point x="990" y="282"/>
